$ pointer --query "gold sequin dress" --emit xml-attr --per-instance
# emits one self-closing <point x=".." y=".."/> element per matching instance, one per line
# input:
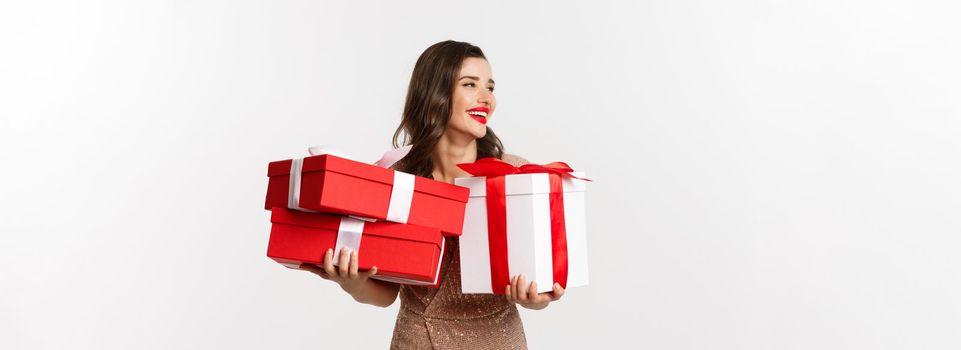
<point x="445" y="318"/>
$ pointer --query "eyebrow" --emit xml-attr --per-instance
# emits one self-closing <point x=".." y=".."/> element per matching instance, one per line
<point x="471" y="77"/>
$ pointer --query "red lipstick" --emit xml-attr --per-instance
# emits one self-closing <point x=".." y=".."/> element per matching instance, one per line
<point x="479" y="118"/>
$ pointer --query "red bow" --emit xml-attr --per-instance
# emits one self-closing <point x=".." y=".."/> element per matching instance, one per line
<point x="496" y="167"/>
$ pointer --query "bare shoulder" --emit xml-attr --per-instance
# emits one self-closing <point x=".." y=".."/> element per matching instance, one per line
<point x="514" y="160"/>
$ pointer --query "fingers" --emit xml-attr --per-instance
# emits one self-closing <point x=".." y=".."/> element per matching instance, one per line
<point x="558" y="292"/>
<point x="352" y="271"/>
<point x="535" y="298"/>
<point x="348" y="265"/>
<point x="343" y="261"/>
<point x="522" y="288"/>
<point x="519" y="291"/>
<point x="532" y="293"/>
<point x="328" y="264"/>
<point x="510" y="290"/>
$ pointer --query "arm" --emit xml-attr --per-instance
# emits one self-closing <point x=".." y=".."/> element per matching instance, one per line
<point x="357" y="284"/>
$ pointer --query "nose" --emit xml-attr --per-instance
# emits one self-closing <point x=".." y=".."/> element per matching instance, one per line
<point x="485" y="97"/>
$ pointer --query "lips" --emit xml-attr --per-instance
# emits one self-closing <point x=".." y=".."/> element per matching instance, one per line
<point x="479" y="119"/>
<point x="479" y="114"/>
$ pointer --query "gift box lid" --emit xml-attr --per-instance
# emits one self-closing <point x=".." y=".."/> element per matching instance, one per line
<point x="521" y="184"/>
<point x="380" y="228"/>
<point x="357" y="169"/>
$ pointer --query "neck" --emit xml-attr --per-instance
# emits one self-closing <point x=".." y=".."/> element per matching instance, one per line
<point x="450" y="151"/>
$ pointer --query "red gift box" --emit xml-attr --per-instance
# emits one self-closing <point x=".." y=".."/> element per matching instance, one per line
<point x="332" y="184"/>
<point x="402" y="253"/>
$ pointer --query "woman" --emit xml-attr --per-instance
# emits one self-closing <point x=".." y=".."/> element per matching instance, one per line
<point x="449" y="102"/>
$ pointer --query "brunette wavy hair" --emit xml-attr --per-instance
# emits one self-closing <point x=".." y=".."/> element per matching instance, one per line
<point x="427" y="108"/>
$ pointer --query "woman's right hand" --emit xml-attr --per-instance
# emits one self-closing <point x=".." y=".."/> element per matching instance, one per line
<point x="345" y="273"/>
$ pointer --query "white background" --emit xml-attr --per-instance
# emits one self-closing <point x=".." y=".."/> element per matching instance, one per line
<point x="769" y="174"/>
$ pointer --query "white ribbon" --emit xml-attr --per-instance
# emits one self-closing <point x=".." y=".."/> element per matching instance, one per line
<point x="348" y="235"/>
<point x="322" y="150"/>
<point x="393" y="156"/>
<point x="401" y="193"/>
<point x="293" y="190"/>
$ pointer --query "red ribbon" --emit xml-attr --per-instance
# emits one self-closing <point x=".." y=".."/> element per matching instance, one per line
<point x="497" y="233"/>
<point x="495" y="170"/>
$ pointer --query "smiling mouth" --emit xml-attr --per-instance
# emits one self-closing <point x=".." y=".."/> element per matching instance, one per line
<point x="480" y="117"/>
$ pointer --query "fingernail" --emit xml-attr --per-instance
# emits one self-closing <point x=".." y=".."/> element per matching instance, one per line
<point x="330" y="250"/>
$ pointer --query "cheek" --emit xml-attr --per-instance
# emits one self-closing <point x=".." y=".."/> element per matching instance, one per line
<point x="457" y="103"/>
<point x="460" y="98"/>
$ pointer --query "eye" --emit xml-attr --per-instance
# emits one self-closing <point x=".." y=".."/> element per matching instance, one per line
<point x="469" y="84"/>
<point x="491" y="89"/>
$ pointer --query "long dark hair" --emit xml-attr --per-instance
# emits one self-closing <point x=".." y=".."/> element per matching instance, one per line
<point x="428" y="107"/>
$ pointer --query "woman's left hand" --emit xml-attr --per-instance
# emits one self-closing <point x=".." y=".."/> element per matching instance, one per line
<point x="526" y="295"/>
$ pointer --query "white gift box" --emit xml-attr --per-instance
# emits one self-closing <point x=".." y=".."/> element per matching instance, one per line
<point x="528" y="233"/>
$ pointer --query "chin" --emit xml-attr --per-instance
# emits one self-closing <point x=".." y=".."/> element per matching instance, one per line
<point x="480" y="134"/>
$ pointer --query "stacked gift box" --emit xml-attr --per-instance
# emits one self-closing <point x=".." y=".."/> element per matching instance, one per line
<point x="393" y="220"/>
<point x="510" y="220"/>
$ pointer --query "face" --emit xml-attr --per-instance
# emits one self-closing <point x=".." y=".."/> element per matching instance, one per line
<point x="473" y="98"/>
